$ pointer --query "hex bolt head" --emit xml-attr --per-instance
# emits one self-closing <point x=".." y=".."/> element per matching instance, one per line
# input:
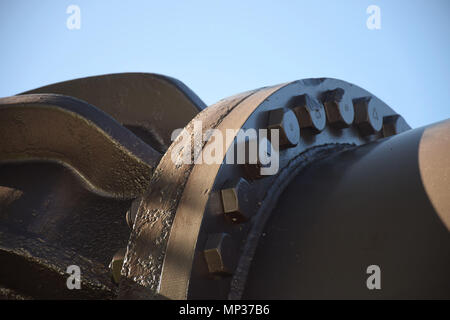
<point x="287" y="124"/>
<point x="393" y="125"/>
<point x="116" y="264"/>
<point x="368" y="117"/>
<point x="220" y="254"/>
<point x="236" y="200"/>
<point x="310" y="113"/>
<point x="266" y="153"/>
<point x="339" y="108"/>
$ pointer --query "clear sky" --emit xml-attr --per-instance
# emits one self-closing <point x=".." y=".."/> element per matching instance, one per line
<point x="219" y="48"/>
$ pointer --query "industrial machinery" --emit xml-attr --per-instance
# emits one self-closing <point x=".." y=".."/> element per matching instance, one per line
<point x="90" y="177"/>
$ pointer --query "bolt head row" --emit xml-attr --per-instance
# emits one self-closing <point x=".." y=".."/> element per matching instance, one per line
<point x="308" y="113"/>
<point x="305" y="113"/>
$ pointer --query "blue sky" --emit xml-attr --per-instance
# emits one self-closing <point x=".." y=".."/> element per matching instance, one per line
<point x="219" y="48"/>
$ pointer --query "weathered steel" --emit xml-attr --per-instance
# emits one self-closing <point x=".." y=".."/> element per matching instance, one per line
<point x="165" y="252"/>
<point x="150" y="105"/>
<point x="68" y="172"/>
<point x="47" y="127"/>
<point x="355" y="186"/>
<point x="49" y="220"/>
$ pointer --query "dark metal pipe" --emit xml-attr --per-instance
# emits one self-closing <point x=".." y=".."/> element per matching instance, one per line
<point x="386" y="203"/>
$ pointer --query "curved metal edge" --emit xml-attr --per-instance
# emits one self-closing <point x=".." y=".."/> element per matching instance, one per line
<point x="48" y="127"/>
<point x="178" y="84"/>
<point x="151" y="105"/>
<point x="191" y="95"/>
<point x="146" y="247"/>
<point x="434" y="165"/>
<point x="366" y="205"/>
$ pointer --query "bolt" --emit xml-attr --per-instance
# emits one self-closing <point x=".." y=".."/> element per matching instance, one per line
<point x="287" y="124"/>
<point x="339" y="108"/>
<point x="116" y="264"/>
<point x="393" y="125"/>
<point x="219" y="254"/>
<point x="368" y="118"/>
<point x="132" y="212"/>
<point x="236" y="204"/>
<point x="310" y="113"/>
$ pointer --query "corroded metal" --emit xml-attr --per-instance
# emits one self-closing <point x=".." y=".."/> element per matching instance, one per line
<point x="237" y="201"/>
<point x="310" y="113"/>
<point x="110" y="159"/>
<point x="165" y="252"/>
<point x="115" y="179"/>
<point x="68" y="174"/>
<point x="150" y="105"/>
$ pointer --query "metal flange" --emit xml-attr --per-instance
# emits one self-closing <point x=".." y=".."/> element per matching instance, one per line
<point x="181" y="227"/>
<point x="108" y="133"/>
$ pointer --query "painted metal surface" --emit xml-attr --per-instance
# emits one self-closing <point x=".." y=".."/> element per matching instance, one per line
<point x="84" y="161"/>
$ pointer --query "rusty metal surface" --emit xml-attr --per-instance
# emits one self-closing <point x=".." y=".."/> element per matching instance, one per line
<point x="93" y="182"/>
<point x="47" y="127"/>
<point x="145" y="255"/>
<point x="37" y="269"/>
<point x="165" y="252"/>
<point x="68" y="175"/>
<point x="48" y="221"/>
<point x="150" y="105"/>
